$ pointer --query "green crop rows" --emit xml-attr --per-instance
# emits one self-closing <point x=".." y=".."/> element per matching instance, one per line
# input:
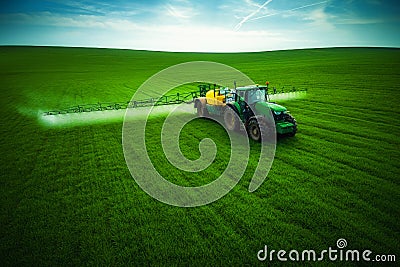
<point x="67" y="196"/>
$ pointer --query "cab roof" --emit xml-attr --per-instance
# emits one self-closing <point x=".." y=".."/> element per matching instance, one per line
<point x="250" y="87"/>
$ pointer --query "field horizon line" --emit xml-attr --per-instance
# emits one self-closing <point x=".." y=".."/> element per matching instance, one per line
<point x="201" y="52"/>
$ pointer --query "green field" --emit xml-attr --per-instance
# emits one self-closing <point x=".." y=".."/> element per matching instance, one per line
<point x="67" y="197"/>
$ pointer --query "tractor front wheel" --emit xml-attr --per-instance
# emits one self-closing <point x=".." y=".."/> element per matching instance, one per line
<point x="292" y="120"/>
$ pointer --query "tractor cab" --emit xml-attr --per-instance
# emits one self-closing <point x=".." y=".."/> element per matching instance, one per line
<point x="252" y="94"/>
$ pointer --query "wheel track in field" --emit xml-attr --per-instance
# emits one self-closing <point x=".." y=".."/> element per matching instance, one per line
<point x="311" y="154"/>
<point x="389" y="153"/>
<point x="369" y="121"/>
<point x="376" y="117"/>
<point x="328" y="199"/>
<point x="329" y="162"/>
<point x="350" y="107"/>
<point x="349" y="150"/>
<point x="353" y="131"/>
<point x="348" y="140"/>
<point x="352" y="140"/>
<point x="353" y="180"/>
<point x="372" y="185"/>
<point x="351" y="160"/>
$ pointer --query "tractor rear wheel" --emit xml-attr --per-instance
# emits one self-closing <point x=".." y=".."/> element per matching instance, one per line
<point x="253" y="130"/>
<point x="201" y="110"/>
<point x="231" y="119"/>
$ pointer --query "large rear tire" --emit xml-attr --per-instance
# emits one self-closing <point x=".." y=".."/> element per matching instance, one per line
<point x="231" y="119"/>
<point x="202" y="111"/>
<point x="253" y="130"/>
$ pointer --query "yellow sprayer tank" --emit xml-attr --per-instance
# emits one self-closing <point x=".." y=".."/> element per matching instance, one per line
<point x="217" y="100"/>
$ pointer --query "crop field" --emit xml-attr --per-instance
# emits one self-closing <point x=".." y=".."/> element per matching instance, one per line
<point x="68" y="198"/>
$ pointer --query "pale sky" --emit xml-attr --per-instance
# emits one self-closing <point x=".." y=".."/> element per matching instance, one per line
<point x="201" y="26"/>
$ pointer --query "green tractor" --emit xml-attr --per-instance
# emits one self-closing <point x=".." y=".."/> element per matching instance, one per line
<point x="252" y="107"/>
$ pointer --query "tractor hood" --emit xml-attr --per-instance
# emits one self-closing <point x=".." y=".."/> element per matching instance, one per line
<point x="264" y="107"/>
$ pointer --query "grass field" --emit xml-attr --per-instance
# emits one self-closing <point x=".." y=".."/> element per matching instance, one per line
<point x="67" y="196"/>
